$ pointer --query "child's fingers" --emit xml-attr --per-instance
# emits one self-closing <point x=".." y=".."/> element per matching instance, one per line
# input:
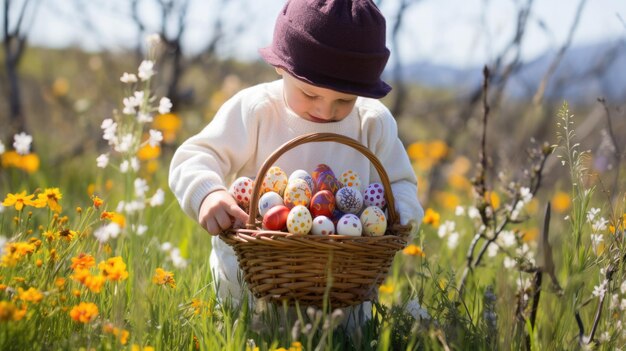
<point x="238" y="214"/>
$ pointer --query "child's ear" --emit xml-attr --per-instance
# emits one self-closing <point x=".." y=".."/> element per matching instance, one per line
<point x="279" y="70"/>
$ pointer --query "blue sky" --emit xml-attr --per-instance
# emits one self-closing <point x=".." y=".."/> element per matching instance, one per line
<point x="451" y="32"/>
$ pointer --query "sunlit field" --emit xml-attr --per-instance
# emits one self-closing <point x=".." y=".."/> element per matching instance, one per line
<point x="96" y="253"/>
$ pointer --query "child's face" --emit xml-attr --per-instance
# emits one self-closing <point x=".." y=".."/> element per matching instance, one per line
<point x="314" y="103"/>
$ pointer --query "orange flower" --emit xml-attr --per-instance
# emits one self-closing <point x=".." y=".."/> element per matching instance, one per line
<point x="162" y="277"/>
<point x="10" y="312"/>
<point x="97" y="202"/>
<point x="114" y="268"/>
<point x="561" y="202"/>
<point x="413" y="250"/>
<point x="83" y="261"/>
<point x="30" y="295"/>
<point x="431" y="217"/>
<point x="84" y="312"/>
<point x="148" y="152"/>
<point x="95" y="282"/>
<point x="168" y="124"/>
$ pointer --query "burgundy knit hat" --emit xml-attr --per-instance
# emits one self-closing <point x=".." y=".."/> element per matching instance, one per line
<point x="335" y="44"/>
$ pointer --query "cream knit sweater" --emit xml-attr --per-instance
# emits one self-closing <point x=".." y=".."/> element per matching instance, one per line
<point x="253" y="124"/>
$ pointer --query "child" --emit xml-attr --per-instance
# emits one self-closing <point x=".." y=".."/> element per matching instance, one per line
<point x="330" y="54"/>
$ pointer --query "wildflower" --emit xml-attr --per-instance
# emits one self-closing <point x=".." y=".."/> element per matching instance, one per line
<point x="561" y="202"/>
<point x="446" y="228"/>
<point x="59" y="282"/>
<point x="83" y="261"/>
<point x="10" y="312"/>
<point x="140" y="229"/>
<point x="102" y="161"/>
<point x="114" y="268"/>
<point x="416" y="151"/>
<point x="177" y="260"/>
<point x="437" y="150"/>
<point x="30" y="295"/>
<point x="29" y="163"/>
<point x="386" y="288"/>
<point x="453" y="240"/>
<point x="18" y="200"/>
<point x="448" y="200"/>
<point x="168" y="124"/>
<point x="51" y="196"/>
<point x="507" y="238"/>
<point x="128" y="78"/>
<point x="13" y="252"/>
<point x="162" y="277"/>
<point x="431" y="217"/>
<point x="109" y="130"/>
<point x="596" y="239"/>
<point x="413" y="250"/>
<point x="158" y="198"/>
<point x="104" y="233"/>
<point x="148" y="152"/>
<point x="22" y="143"/>
<point x="473" y="213"/>
<point x="155" y="137"/>
<point x="599" y="290"/>
<point x="97" y="202"/>
<point x="84" y="312"/>
<point x="492" y="199"/>
<point x="416" y="310"/>
<point x="146" y="70"/>
<point x="592" y="213"/>
<point x="141" y="186"/>
<point x="165" y="105"/>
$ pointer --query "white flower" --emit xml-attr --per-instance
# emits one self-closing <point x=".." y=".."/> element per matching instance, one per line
<point x="22" y="143"/>
<point x="125" y="143"/>
<point x="128" y="78"/>
<point x="134" y="163"/>
<point x="2" y="148"/>
<point x="622" y="287"/>
<point x="591" y="214"/>
<point x="605" y="337"/>
<point x="492" y="250"/>
<point x="453" y="240"/>
<point x="155" y="137"/>
<point x="177" y="259"/>
<point x="596" y="239"/>
<point x="124" y="166"/>
<point x="141" y="186"/>
<point x="446" y="228"/>
<point x="140" y="229"/>
<point x="158" y="198"/>
<point x="416" y="310"/>
<point x="509" y="262"/>
<point x="165" y="105"/>
<point x="104" y="233"/>
<point x="473" y="212"/>
<point x="166" y="246"/>
<point x="523" y="284"/>
<point x="153" y="40"/>
<point x="144" y="117"/>
<point x="599" y="290"/>
<point x="109" y="129"/>
<point x="146" y="70"/>
<point x="599" y="225"/>
<point x="129" y="106"/>
<point x="507" y="238"/>
<point x="102" y="161"/>
<point x="525" y="194"/>
<point x="459" y="211"/>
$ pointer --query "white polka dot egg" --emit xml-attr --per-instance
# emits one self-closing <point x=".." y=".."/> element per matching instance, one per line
<point x="349" y="224"/>
<point x="322" y="225"/>
<point x="374" y="195"/>
<point x="241" y="190"/>
<point x="299" y="220"/>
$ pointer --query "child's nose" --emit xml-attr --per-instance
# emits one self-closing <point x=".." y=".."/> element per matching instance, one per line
<point x="325" y="110"/>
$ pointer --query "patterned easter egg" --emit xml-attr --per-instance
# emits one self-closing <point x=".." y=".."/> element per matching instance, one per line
<point x="322" y="225"/>
<point x="241" y="190"/>
<point x="349" y="200"/>
<point x="324" y="179"/>
<point x="374" y="221"/>
<point x="269" y="200"/>
<point x="322" y="204"/>
<point x="302" y="174"/>
<point x="276" y="218"/>
<point x="350" y="178"/>
<point x="297" y="192"/>
<point x="275" y="180"/>
<point x="349" y="224"/>
<point x="299" y="220"/>
<point x="374" y="195"/>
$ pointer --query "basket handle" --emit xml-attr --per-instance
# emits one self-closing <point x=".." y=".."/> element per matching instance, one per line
<point x="317" y="137"/>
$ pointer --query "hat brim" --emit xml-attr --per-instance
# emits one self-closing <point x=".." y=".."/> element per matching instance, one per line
<point x="378" y="90"/>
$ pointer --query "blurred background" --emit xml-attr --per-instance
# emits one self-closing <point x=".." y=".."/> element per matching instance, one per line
<point x="62" y="60"/>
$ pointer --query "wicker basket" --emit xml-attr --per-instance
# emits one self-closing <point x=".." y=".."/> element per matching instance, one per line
<point x="348" y="270"/>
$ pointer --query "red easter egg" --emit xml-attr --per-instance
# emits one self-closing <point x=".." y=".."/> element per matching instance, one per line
<point x="322" y="204"/>
<point x="276" y="218"/>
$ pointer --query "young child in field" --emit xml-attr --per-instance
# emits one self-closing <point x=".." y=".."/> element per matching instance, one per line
<point x="330" y="54"/>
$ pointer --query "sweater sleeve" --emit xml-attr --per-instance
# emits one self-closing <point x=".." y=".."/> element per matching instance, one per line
<point x="201" y="164"/>
<point x="382" y="133"/>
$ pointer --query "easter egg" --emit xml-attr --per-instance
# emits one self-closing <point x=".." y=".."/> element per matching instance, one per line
<point x="276" y="218"/>
<point x="324" y="179"/>
<point x="373" y="221"/>
<point x="269" y="200"/>
<point x="322" y="225"/>
<point x="350" y="178"/>
<point x="297" y="192"/>
<point x="275" y="180"/>
<point x="374" y="195"/>
<point x="241" y="190"/>
<point x="299" y="220"/>
<point x="349" y="224"/>
<point x="322" y="204"/>
<point x="302" y="174"/>
<point x="349" y="200"/>
<point x="337" y="214"/>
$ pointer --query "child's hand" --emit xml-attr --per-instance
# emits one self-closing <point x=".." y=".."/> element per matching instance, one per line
<point x="219" y="211"/>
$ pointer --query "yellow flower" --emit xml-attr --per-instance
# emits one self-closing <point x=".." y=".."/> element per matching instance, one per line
<point x="29" y="163"/>
<point x="10" y="312"/>
<point x="13" y="252"/>
<point x="168" y="124"/>
<point x="67" y="234"/>
<point x="416" y="151"/>
<point x="94" y="282"/>
<point x="437" y="150"/>
<point x="60" y="283"/>
<point x="30" y="295"/>
<point x="11" y="159"/>
<point x="52" y="197"/>
<point x="386" y="288"/>
<point x="162" y="277"/>
<point x="18" y="200"/>
<point x="493" y="199"/>
<point x="295" y="346"/>
<point x="458" y="181"/>
<point x="84" y="312"/>
<point x="561" y="202"/>
<point x="97" y="202"/>
<point x="148" y="152"/>
<point x="460" y="166"/>
<point x="114" y="268"/>
<point x="448" y="200"/>
<point x="530" y="234"/>
<point x="413" y="250"/>
<point x="431" y="217"/>
<point x="83" y="261"/>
